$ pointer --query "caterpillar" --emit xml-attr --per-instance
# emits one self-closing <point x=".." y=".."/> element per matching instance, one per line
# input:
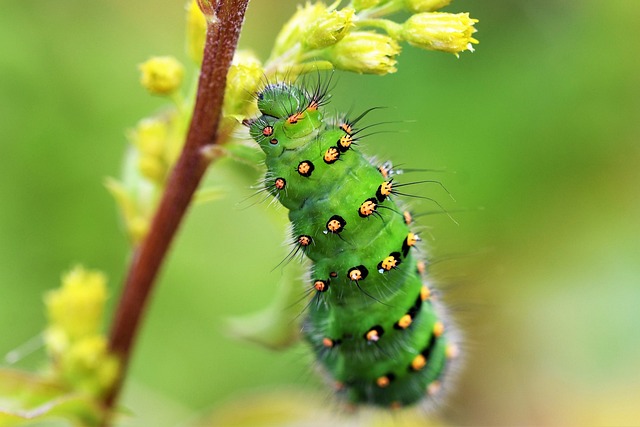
<point x="371" y="320"/>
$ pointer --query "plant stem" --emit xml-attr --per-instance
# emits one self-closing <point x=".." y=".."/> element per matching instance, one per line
<point x="222" y="37"/>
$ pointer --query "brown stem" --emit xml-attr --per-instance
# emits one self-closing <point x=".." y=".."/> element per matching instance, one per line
<point x="221" y="41"/>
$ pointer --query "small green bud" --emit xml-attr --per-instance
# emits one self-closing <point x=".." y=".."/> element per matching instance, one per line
<point x="329" y="28"/>
<point x="161" y="75"/>
<point x="365" y="52"/>
<point x="417" y="6"/>
<point x="446" y="32"/>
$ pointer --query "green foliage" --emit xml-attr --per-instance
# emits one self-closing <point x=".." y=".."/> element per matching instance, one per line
<point x="29" y="399"/>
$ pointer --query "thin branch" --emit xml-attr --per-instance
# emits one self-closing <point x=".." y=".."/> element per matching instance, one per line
<point x="221" y="42"/>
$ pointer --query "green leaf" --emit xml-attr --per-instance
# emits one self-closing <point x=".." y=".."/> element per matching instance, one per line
<point x="28" y="399"/>
<point x="272" y="327"/>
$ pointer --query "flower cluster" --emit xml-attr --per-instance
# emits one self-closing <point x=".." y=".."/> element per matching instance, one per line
<point x="73" y="338"/>
<point x="358" y="38"/>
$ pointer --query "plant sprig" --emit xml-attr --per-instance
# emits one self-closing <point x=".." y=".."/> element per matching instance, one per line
<point x="171" y="151"/>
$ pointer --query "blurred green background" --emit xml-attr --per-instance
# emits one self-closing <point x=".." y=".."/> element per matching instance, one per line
<point x="541" y="127"/>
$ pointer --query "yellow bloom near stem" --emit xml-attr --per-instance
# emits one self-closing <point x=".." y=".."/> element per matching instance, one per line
<point x="446" y="32"/>
<point x="161" y="75"/>
<point x="73" y="339"/>
<point x="329" y="28"/>
<point x="314" y="26"/>
<point x="196" y="31"/>
<point x="88" y="367"/>
<point x="76" y="308"/>
<point x="151" y="138"/>
<point x="365" y="52"/>
<point x="243" y="80"/>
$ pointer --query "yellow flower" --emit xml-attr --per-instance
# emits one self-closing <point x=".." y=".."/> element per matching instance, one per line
<point x="298" y="26"/>
<point x="425" y="5"/>
<point x="151" y="138"/>
<point x="365" y="52"/>
<point x="446" y="32"/>
<point x="73" y="340"/>
<point x="161" y="75"/>
<point x="86" y="354"/>
<point x="87" y="366"/>
<point x="75" y="310"/>
<point x="329" y="28"/>
<point x="196" y="31"/>
<point x="242" y="82"/>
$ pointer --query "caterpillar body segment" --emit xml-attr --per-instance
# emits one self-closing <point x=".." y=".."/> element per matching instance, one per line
<point x="372" y="322"/>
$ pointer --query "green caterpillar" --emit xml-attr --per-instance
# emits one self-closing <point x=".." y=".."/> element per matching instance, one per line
<point x="372" y="322"/>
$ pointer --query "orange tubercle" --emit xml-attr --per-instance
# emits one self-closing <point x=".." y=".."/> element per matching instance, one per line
<point x="418" y="362"/>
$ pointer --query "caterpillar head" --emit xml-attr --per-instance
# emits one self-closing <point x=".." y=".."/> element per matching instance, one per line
<point x="280" y="100"/>
<point x="290" y="118"/>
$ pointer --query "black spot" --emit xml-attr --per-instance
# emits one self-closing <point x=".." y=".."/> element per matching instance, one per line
<point x="336" y="224"/>
<point x="373" y="201"/>
<point x="332" y="155"/>
<point x="305" y="168"/>
<point x="363" y="272"/>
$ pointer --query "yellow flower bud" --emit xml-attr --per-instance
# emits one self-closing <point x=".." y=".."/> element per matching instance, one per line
<point x="196" y="31"/>
<point x="365" y="52"/>
<point x="161" y="75"/>
<point x="152" y="167"/>
<point x="329" y="28"/>
<point x="153" y="137"/>
<point x="76" y="308"/>
<point x="150" y="136"/>
<point x="78" y="349"/>
<point x="56" y="340"/>
<point x="88" y="367"/>
<point x="446" y="32"/>
<point x="138" y="227"/>
<point x="425" y="5"/>
<point x="243" y="80"/>
<point x="298" y="26"/>
<point x="86" y="353"/>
